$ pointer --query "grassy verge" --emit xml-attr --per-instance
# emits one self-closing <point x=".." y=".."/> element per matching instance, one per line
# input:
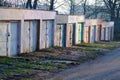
<point x="22" y="65"/>
<point x="29" y="63"/>
<point x="104" y="45"/>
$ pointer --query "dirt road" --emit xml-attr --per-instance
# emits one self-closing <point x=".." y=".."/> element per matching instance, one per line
<point x="104" y="68"/>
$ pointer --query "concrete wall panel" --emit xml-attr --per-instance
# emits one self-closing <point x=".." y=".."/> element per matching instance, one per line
<point x="11" y="14"/>
<point x="38" y="14"/>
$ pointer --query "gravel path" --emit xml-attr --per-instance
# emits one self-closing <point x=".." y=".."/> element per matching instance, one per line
<point x="104" y="68"/>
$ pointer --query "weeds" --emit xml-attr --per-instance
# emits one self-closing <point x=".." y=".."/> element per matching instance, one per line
<point x="29" y="63"/>
<point x="107" y="45"/>
<point x="11" y="66"/>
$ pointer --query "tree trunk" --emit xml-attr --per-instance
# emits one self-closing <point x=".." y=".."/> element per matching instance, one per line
<point x="112" y="14"/>
<point x="29" y="4"/>
<point x="85" y="7"/>
<point x="95" y="9"/>
<point x="51" y="5"/>
<point x="72" y="7"/>
<point x="35" y="4"/>
<point x="118" y="12"/>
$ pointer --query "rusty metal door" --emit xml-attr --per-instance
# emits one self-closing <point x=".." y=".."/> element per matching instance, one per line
<point x="69" y="35"/>
<point x="86" y="34"/>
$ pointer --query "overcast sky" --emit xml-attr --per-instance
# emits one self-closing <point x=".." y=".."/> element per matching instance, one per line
<point x="65" y="8"/>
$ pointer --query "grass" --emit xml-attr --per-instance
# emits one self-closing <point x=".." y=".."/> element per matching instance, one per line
<point x="29" y="63"/>
<point x="13" y="71"/>
<point x="90" y="54"/>
<point x="105" y="45"/>
<point x="16" y="65"/>
<point x="92" y="51"/>
<point x="23" y="65"/>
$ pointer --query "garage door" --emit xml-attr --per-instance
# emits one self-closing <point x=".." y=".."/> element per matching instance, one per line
<point x="29" y="37"/>
<point x="9" y="43"/>
<point x="47" y="34"/>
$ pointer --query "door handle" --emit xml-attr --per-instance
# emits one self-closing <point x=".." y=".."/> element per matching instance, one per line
<point x="8" y="34"/>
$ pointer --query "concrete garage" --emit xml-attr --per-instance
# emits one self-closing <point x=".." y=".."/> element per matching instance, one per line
<point x="109" y="31"/>
<point x="44" y="22"/>
<point x="67" y="30"/>
<point x="9" y="38"/>
<point x="30" y="36"/>
<point x="20" y="33"/>
<point x="92" y="29"/>
<point x="10" y="31"/>
<point x="61" y="35"/>
<point x="47" y="34"/>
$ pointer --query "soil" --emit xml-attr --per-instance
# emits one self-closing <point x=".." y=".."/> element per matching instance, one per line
<point x="104" y="68"/>
<point x="71" y="56"/>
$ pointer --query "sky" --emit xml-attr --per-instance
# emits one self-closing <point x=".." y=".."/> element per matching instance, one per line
<point x="91" y="1"/>
<point x="64" y="9"/>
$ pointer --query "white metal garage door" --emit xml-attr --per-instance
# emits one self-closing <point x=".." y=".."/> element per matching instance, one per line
<point x="29" y="37"/>
<point x="13" y="38"/>
<point x="8" y="38"/>
<point x="47" y="34"/>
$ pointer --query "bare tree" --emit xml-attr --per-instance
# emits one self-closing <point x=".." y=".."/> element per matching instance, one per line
<point x="4" y="3"/>
<point x="73" y="4"/>
<point x="51" y="5"/>
<point x="113" y="8"/>
<point x="84" y="7"/>
<point x="72" y="7"/>
<point x="118" y="11"/>
<point x="29" y="4"/>
<point x="35" y="4"/>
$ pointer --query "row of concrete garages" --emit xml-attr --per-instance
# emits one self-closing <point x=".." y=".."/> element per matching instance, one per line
<point x="69" y="30"/>
<point x="97" y="30"/>
<point x="74" y="29"/>
<point x="24" y="30"/>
